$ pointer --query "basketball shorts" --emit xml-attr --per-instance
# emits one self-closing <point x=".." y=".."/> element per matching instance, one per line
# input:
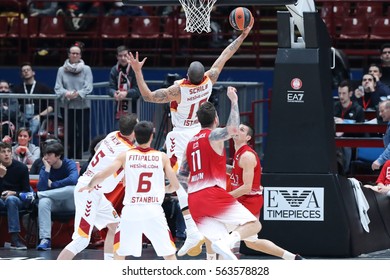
<point x="253" y="203"/>
<point x="154" y="227"/>
<point x="213" y="209"/>
<point x="92" y="209"/>
<point x="176" y="144"/>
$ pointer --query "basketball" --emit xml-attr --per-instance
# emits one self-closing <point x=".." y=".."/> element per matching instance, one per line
<point x="240" y="18"/>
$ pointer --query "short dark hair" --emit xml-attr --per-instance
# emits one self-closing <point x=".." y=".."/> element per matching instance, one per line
<point x="373" y="77"/>
<point x="26" y="63"/>
<point x="143" y="130"/>
<point x="206" y="114"/>
<point x="375" y="65"/>
<point x="122" y="48"/>
<point x="55" y="148"/>
<point x="345" y="83"/>
<point x="251" y="129"/>
<point x="385" y="46"/>
<point x="5" y="145"/>
<point x="127" y="123"/>
<point x="51" y="139"/>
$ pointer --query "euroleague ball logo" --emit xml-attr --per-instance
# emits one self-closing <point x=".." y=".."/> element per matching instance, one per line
<point x="296" y="83"/>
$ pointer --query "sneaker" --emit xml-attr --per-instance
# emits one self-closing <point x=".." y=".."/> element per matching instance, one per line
<point x="44" y="245"/>
<point x="222" y="248"/>
<point x="27" y="196"/>
<point x="298" y="257"/>
<point x="18" y="245"/>
<point x="193" y="245"/>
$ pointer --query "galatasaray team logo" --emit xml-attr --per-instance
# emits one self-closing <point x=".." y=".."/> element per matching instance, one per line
<point x="296" y="83"/>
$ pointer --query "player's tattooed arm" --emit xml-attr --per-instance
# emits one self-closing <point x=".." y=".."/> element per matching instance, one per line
<point x="164" y="95"/>
<point x="222" y="134"/>
<point x="219" y="134"/>
<point x="183" y="174"/>
<point x="157" y="96"/>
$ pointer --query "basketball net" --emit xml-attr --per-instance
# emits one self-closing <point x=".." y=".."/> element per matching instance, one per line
<point x="198" y="14"/>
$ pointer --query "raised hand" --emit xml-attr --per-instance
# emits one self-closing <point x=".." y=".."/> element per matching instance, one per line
<point x="135" y="63"/>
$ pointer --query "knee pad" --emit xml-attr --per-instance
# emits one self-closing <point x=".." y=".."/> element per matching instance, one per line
<point x="77" y="245"/>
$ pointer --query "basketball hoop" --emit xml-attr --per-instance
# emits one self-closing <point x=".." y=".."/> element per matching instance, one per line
<point x="198" y="14"/>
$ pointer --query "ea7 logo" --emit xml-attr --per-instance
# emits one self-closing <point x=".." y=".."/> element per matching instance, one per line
<point x="293" y="198"/>
<point x="295" y="97"/>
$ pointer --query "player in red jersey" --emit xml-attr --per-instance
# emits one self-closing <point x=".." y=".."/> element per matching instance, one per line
<point x="185" y="97"/>
<point x="245" y="180"/>
<point x="204" y="170"/>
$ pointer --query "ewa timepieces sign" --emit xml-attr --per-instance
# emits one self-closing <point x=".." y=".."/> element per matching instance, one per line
<point x="293" y="203"/>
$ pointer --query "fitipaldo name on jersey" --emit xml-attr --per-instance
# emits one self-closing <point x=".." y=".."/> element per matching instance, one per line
<point x="144" y="161"/>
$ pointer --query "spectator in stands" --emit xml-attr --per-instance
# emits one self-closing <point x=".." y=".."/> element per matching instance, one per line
<point x="24" y="151"/>
<point x="383" y="180"/>
<point x="32" y="110"/>
<point x="123" y="83"/>
<point x="42" y="8"/>
<point x="376" y="70"/>
<point x="384" y="112"/>
<point x="74" y="82"/>
<point x="119" y="9"/>
<point x="57" y="179"/>
<point x="385" y="63"/>
<point x="38" y="163"/>
<point x="346" y="110"/>
<point x="79" y="15"/>
<point x="368" y="95"/>
<point x="14" y="179"/>
<point x="9" y="108"/>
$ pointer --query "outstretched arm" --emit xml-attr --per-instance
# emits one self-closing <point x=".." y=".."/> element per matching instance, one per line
<point x="226" y="54"/>
<point x="231" y="128"/>
<point x="163" y="95"/>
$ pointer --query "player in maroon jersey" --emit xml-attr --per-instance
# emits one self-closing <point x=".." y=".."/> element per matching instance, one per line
<point x="245" y="181"/>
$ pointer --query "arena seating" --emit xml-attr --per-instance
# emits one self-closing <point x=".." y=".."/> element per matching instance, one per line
<point x="365" y="19"/>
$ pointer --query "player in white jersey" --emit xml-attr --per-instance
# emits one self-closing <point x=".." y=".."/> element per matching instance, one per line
<point x="142" y="212"/>
<point x="94" y="209"/>
<point x="185" y="97"/>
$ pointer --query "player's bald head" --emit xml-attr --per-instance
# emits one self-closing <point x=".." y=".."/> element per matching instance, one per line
<point x="195" y="72"/>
